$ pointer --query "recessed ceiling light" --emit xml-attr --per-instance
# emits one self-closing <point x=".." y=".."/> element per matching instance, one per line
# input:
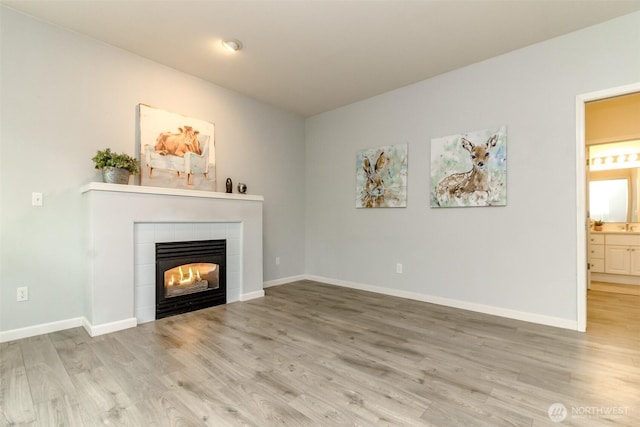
<point x="232" y="45"/>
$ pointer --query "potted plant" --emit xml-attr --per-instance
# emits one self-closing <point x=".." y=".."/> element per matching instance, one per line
<point x="116" y="167"/>
<point x="597" y="224"/>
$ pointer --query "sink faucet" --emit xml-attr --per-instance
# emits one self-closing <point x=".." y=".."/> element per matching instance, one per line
<point x="626" y="227"/>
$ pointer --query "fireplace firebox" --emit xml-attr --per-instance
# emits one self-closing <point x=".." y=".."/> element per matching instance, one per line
<point x="190" y="276"/>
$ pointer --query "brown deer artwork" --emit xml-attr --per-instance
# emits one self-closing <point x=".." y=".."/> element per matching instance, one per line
<point x="472" y="187"/>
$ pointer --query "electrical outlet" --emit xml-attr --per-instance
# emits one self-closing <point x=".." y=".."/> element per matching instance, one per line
<point x="399" y="268"/>
<point x="277" y="260"/>
<point x="36" y="199"/>
<point x="22" y="294"/>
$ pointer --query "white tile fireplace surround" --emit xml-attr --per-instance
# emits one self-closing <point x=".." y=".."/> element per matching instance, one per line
<point x="125" y="221"/>
<point x="145" y="237"/>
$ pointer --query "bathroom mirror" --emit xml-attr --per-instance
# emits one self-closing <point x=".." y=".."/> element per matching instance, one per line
<point x="609" y="200"/>
<point x="613" y="195"/>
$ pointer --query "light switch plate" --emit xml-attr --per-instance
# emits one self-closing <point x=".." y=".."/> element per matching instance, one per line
<point x="36" y="199"/>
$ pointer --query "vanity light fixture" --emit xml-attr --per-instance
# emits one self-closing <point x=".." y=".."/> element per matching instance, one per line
<point x="621" y="161"/>
<point x="616" y="155"/>
<point x="232" y="45"/>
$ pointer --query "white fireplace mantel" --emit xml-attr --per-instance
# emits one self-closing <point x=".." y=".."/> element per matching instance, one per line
<point x="139" y="189"/>
<point x="112" y="212"/>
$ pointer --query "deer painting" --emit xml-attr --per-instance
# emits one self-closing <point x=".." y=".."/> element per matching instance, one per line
<point x="473" y="187"/>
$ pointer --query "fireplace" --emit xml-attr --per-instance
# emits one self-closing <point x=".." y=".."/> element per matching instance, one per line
<point x="190" y="276"/>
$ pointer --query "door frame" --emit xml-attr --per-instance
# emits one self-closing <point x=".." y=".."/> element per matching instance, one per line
<point x="581" y="193"/>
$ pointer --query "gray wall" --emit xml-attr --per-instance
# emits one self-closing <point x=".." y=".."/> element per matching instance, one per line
<point x="64" y="96"/>
<point x="521" y="257"/>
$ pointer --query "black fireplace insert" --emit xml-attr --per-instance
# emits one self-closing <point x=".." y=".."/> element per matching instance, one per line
<point x="190" y="276"/>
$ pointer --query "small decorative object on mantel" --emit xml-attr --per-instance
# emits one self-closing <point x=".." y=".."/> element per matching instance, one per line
<point x="242" y="188"/>
<point x="597" y="225"/>
<point x="116" y="167"/>
<point x="229" y="185"/>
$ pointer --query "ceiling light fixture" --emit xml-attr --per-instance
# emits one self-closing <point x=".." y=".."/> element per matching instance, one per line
<point x="232" y="45"/>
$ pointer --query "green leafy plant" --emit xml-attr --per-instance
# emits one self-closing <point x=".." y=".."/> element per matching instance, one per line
<point x="598" y="222"/>
<point x="105" y="158"/>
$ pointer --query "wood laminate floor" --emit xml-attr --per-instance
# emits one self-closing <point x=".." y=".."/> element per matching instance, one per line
<point x="310" y="354"/>
<point x="615" y="288"/>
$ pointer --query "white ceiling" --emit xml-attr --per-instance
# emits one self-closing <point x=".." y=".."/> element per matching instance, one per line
<point x="308" y="56"/>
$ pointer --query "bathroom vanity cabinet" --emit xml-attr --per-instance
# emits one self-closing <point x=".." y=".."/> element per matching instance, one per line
<point x="596" y="253"/>
<point x="622" y="254"/>
<point x="615" y="257"/>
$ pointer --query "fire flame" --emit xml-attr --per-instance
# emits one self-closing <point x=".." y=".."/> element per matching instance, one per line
<point x="185" y="279"/>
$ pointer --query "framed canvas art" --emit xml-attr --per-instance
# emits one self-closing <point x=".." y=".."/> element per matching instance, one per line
<point x="469" y="169"/>
<point x="381" y="177"/>
<point x="176" y="151"/>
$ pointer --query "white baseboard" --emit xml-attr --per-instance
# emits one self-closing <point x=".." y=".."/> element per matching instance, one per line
<point x="106" y="328"/>
<point x="45" y="328"/>
<point x="615" y="278"/>
<point x="465" y="305"/>
<point x="252" y="295"/>
<point x="284" y="280"/>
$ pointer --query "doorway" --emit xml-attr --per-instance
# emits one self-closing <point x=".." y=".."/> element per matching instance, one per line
<point x="581" y="195"/>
